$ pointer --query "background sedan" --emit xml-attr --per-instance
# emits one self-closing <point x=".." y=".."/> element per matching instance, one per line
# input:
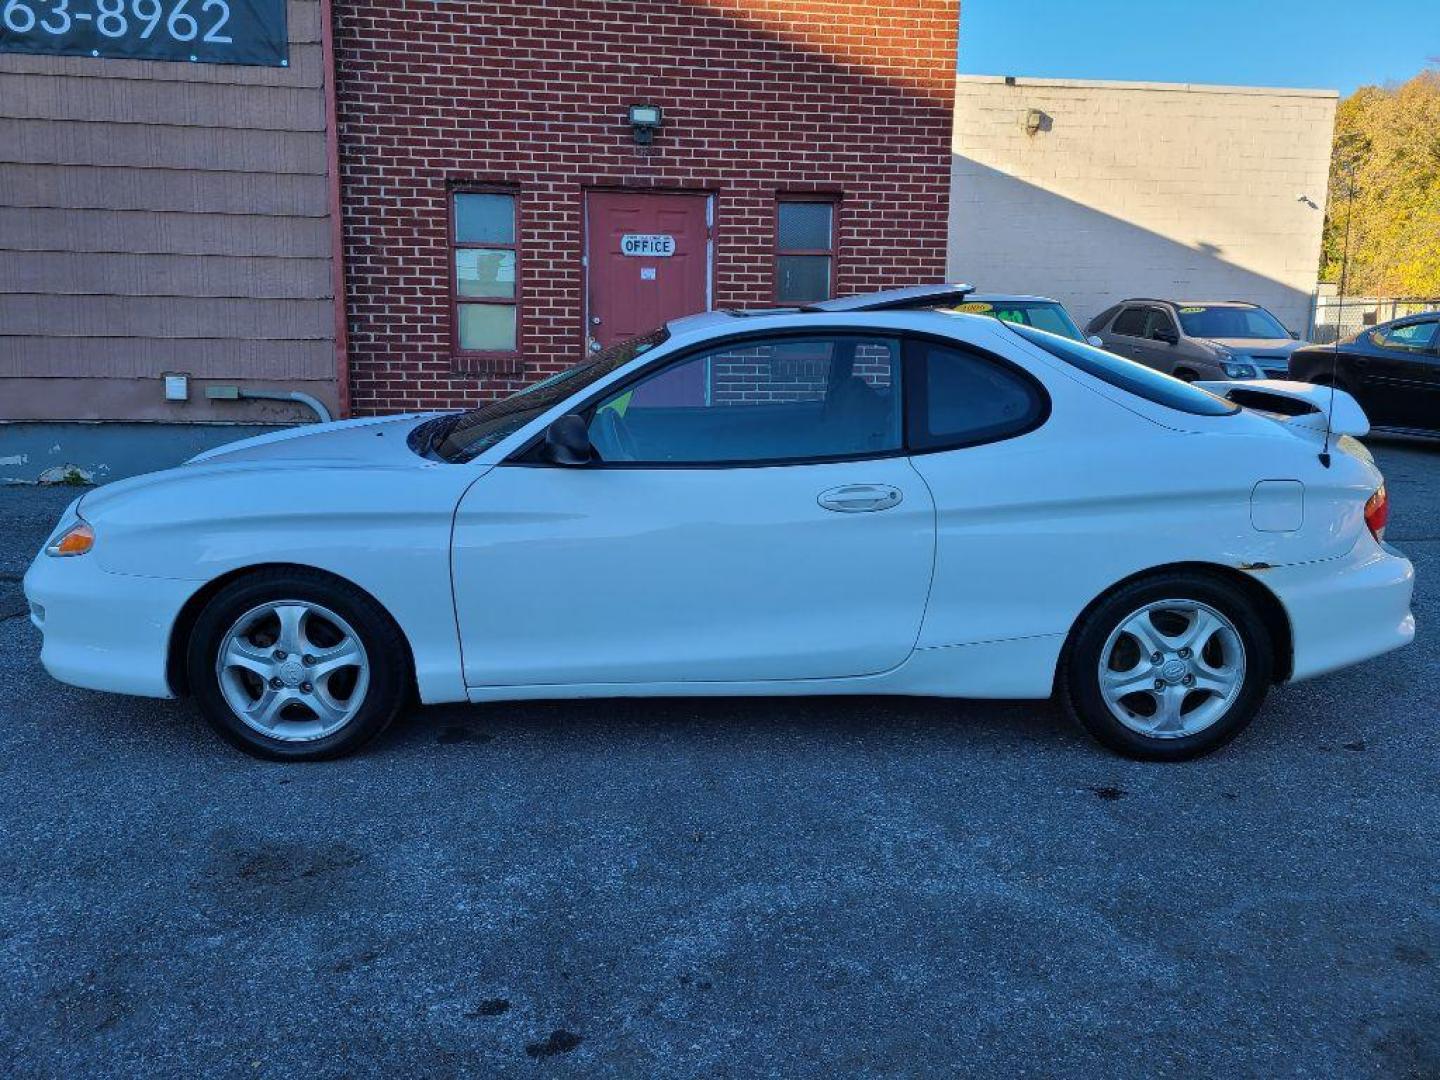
<point x="1393" y="370"/>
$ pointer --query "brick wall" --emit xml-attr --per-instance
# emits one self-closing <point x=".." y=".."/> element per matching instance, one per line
<point x="760" y="97"/>
<point x="1141" y="189"/>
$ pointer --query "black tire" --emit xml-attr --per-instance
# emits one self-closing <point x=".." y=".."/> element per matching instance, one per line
<point x="1079" y="681"/>
<point x="390" y="678"/>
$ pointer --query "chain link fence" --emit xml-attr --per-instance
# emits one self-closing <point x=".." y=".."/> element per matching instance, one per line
<point x="1335" y="318"/>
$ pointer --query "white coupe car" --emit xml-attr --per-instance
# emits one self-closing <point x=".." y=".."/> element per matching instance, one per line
<point x="864" y="496"/>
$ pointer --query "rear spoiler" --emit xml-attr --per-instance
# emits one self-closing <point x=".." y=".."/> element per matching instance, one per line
<point x="1301" y="405"/>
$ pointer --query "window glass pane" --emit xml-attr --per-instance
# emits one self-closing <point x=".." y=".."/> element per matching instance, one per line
<point x="485" y="271"/>
<point x="1230" y="322"/>
<point x="484" y="218"/>
<point x="802" y="278"/>
<point x="1131" y="322"/>
<point x="1135" y="378"/>
<point x="771" y="400"/>
<point x="970" y="400"/>
<point x="487" y="327"/>
<point x="1416" y="336"/>
<point x="1158" y="319"/>
<point x="805" y="226"/>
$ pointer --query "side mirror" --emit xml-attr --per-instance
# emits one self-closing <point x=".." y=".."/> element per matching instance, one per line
<point x="1096" y="340"/>
<point x="567" y="441"/>
<point x="1294" y="334"/>
<point x="1167" y="335"/>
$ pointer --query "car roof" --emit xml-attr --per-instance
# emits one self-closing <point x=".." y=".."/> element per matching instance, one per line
<point x="1190" y="303"/>
<point x="917" y="298"/>
<point x="1009" y="298"/>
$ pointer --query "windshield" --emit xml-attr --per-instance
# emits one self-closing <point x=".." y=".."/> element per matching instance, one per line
<point x="462" y="436"/>
<point x="1042" y="314"/>
<point x="1201" y="321"/>
<point x="1127" y="375"/>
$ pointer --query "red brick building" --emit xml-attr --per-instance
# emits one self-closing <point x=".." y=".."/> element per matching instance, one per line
<point x="501" y="212"/>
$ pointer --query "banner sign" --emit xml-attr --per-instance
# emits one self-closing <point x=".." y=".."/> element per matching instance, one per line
<point x="192" y="31"/>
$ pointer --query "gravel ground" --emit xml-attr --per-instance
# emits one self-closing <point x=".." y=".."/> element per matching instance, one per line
<point x="780" y="887"/>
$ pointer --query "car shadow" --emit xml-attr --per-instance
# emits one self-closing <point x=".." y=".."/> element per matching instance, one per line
<point x="739" y="720"/>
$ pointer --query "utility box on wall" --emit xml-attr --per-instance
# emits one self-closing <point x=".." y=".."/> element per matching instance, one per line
<point x="1092" y="192"/>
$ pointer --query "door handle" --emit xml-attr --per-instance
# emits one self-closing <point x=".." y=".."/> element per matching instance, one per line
<point x="860" y="498"/>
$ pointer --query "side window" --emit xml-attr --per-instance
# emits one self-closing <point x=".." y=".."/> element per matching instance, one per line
<point x="804" y="251"/>
<point x="1412" y="338"/>
<point x="485" y="257"/>
<point x="1159" y="319"/>
<point x="959" y="398"/>
<point x="762" y="400"/>
<point x="1131" y="322"/>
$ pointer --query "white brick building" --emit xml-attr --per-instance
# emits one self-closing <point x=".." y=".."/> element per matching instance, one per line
<point x="1095" y="191"/>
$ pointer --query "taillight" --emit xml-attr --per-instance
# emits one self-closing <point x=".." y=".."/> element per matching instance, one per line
<point x="1377" y="513"/>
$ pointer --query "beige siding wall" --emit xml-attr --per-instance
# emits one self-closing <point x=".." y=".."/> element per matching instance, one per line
<point x="164" y="217"/>
<point x="1140" y="189"/>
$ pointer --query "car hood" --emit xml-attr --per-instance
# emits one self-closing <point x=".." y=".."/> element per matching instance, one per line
<point x="371" y="441"/>
<point x="350" y="446"/>
<point x="1259" y="346"/>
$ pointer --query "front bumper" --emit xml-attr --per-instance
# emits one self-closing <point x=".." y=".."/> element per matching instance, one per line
<point x="1343" y="611"/>
<point x="104" y="631"/>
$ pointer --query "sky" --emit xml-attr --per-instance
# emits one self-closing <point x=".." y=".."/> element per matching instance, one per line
<point x="1321" y="44"/>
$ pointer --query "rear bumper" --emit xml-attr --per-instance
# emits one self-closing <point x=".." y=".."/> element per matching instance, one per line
<point x="104" y="631"/>
<point x="1343" y="611"/>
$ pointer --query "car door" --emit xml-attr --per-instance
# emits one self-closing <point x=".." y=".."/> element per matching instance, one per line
<point x="1126" y="336"/>
<point x="1398" y="376"/>
<point x="1161" y="348"/>
<point x="751" y="516"/>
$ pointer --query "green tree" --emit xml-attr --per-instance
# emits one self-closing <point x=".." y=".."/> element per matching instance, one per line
<point x="1387" y="140"/>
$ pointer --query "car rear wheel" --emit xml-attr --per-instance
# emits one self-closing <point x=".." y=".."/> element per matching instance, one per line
<point x="297" y="666"/>
<point x="1169" y="668"/>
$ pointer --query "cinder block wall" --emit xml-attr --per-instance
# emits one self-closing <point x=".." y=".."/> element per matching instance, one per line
<point x="761" y="97"/>
<point x="1140" y="189"/>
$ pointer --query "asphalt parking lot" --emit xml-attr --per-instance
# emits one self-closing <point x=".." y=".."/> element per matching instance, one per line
<point x="826" y="887"/>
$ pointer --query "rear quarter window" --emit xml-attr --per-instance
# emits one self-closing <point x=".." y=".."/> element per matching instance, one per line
<point x="961" y="398"/>
<point x="1129" y="376"/>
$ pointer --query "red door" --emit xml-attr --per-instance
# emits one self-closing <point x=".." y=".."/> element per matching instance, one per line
<point x="648" y="261"/>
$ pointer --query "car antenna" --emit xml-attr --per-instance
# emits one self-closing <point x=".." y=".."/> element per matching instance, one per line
<point x="1339" y="310"/>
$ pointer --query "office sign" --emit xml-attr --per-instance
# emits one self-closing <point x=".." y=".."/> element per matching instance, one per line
<point x="647" y="245"/>
<point x="190" y="31"/>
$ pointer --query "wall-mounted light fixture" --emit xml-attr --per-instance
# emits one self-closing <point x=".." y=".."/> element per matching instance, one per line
<point x="645" y="120"/>
<point x="1036" y="120"/>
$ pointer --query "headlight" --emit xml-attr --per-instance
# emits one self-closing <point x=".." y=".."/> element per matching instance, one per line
<point x="76" y="540"/>
<point x="1240" y="371"/>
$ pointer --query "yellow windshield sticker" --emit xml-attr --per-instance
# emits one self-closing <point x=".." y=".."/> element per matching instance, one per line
<point x="1191" y="310"/>
<point x="975" y="307"/>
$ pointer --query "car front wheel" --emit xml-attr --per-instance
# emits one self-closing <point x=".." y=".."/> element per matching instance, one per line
<point x="297" y="665"/>
<point x="1169" y="668"/>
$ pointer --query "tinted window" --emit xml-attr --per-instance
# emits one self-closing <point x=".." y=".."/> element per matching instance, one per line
<point x="1158" y="319"/>
<point x="1129" y="376"/>
<point x="1414" y="337"/>
<point x="777" y="399"/>
<point x="1131" y="322"/>
<point x="961" y="399"/>
<point x="1099" y="322"/>
<point x="1204" y="321"/>
<point x="1047" y="315"/>
<point x="460" y="436"/>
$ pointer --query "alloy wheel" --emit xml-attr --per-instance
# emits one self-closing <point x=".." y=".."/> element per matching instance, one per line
<point x="293" y="670"/>
<point x="1172" y="669"/>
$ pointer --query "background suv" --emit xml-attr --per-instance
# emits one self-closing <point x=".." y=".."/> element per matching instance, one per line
<point x="1198" y="339"/>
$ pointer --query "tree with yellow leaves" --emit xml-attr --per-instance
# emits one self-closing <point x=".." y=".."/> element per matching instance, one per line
<point x="1387" y="150"/>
